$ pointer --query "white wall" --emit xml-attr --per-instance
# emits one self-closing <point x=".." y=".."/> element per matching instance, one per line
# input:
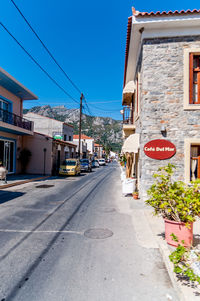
<point x="48" y="126"/>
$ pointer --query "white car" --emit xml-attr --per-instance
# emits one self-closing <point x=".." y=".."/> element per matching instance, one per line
<point x="102" y="162"/>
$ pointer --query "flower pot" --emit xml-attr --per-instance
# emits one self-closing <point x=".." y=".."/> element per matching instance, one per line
<point x="181" y="231"/>
<point x="135" y="196"/>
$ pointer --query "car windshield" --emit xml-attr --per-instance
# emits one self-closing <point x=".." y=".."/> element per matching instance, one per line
<point x="69" y="163"/>
<point x="84" y="161"/>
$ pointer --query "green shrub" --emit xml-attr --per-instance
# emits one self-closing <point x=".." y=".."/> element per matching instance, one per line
<point x="173" y="200"/>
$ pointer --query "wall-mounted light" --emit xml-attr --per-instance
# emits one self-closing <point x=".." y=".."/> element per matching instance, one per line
<point x="163" y="130"/>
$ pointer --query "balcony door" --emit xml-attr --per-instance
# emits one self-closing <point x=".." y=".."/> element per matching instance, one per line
<point x="7" y="154"/>
<point x="5" y="108"/>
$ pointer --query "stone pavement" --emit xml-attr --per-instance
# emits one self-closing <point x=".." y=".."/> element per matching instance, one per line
<point x="150" y="233"/>
<point x="13" y="180"/>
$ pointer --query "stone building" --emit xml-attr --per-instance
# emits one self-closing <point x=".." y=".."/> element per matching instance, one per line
<point x="162" y="90"/>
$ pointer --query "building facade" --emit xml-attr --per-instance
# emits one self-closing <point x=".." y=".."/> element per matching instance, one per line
<point x="162" y="66"/>
<point x="13" y="127"/>
<point x="88" y="141"/>
<point x="47" y="153"/>
<point x="98" y="150"/>
<point x="51" y="127"/>
<point x="62" y="135"/>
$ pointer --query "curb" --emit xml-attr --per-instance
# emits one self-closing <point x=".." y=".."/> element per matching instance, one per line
<point x="23" y="182"/>
<point x="169" y="266"/>
<point x="184" y="293"/>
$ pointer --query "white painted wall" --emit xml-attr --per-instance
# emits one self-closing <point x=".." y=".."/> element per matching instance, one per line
<point x="49" y="126"/>
<point x="89" y="142"/>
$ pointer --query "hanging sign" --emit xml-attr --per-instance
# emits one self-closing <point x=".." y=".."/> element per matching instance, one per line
<point x="58" y="137"/>
<point x="160" y="149"/>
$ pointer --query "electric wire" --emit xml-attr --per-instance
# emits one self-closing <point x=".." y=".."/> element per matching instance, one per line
<point x="34" y="60"/>
<point x="88" y="109"/>
<point x="45" y="47"/>
<point x="56" y="62"/>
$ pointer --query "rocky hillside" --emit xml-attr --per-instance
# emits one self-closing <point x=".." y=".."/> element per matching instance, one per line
<point x="104" y="130"/>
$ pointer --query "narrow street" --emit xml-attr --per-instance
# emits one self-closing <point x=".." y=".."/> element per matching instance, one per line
<point x="75" y="241"/>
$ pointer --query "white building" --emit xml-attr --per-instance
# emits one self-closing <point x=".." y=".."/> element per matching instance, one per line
<point x="88" y="140"/>
<point x="51" y="127"/>
<point x="98" y="150"/>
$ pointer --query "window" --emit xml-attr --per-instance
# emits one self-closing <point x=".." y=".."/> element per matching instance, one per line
<point x="194" y="78"/>
<point x="65" y="137"/>
<point x="4" y="105"/>
<point x="70" y="138"/>
<point x="191" y="85"/>
<point x="192" y="159"/>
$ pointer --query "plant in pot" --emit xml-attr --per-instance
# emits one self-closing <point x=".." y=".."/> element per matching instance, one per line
<point x="177" y="203"/>
<point x="135" y="195"/>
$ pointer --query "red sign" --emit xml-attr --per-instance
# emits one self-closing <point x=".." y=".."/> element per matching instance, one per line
<point x="160" y="149"/>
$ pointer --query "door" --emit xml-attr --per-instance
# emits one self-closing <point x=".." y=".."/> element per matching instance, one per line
<point x="7" y="154"/>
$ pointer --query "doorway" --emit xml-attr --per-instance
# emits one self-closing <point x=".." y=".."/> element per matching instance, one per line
<point x="7" y="154"/>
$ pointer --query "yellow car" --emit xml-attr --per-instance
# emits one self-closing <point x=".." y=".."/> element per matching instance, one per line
<point x="70" y="167"/>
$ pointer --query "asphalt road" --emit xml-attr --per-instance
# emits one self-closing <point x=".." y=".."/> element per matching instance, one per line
<point x="74" y="241"/>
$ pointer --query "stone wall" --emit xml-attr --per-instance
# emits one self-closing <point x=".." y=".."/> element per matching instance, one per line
<point x="161" y="102"/>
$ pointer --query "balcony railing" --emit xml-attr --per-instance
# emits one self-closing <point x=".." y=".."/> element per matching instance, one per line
<point x="16" y="120"/>
<point x="127" y="115"/>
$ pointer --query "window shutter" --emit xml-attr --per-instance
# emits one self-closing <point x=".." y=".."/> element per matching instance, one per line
<point x="191" y="78"/>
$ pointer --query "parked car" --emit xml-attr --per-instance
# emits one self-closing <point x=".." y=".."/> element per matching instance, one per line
<point x="102" y="162"/>
<point x="70" y="167"/>
<point x="96" y="162"/>
<point x="86" y="165"/>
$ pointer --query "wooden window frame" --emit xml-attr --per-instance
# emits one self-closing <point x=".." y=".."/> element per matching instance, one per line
<point x="188" y="104"/>
<point x="191" y="79"/>
<point x="188" y="143"/>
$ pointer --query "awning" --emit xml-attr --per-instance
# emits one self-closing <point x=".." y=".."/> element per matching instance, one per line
<point x="128" y="91"/>
<point x="131" y="144"/>
<point x="129" y="88"/>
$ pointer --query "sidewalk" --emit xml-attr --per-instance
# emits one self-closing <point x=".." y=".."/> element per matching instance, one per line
<point x="13" y="180"/>
<point x="150" y="232"/>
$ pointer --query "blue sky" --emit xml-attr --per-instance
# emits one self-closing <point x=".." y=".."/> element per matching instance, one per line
<point x="87" y="38"/>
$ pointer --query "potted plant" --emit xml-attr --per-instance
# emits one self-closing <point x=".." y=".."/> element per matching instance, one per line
<point x="135" y="195"/>
<point x="177" y="203"/>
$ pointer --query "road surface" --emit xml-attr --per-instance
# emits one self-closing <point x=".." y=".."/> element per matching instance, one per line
<point x="75" y="241"/>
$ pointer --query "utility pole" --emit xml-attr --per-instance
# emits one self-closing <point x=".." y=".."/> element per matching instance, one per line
<point x="80" y="120"/>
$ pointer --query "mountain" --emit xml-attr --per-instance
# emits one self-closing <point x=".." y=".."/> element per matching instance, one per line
<point x="104" y="130"/>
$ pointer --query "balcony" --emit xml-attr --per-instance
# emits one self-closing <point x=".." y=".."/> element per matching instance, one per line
<point x="127" y="115"/>
<point x="12" y="121"/>
<point x="128" y="121"/>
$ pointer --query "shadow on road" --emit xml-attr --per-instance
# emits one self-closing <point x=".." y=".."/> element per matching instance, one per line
<point x="6" y="196"/>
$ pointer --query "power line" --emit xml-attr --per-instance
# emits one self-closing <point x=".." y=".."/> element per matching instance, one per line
<point x="34" y="60"/>
<point x="105" y="110"/>
<point x="88" y="109"/>
<point x="106" y="101"/>
<point x="48" y="51"/>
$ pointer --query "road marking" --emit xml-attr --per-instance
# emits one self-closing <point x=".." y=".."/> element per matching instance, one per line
<point x="40" y="231"/>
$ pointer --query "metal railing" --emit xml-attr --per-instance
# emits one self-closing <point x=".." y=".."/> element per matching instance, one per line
<point x="128" y="115"/>
<point x="16" y="120"/>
